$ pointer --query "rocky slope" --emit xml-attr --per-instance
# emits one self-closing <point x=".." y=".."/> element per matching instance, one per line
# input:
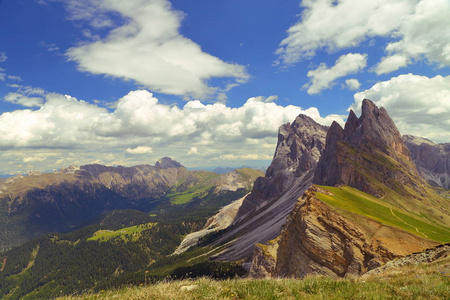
<point x="432" y="160"/>
<point x="318" y="239"/>
<point x="264" y="210"/>
<point x="355" y="233"/>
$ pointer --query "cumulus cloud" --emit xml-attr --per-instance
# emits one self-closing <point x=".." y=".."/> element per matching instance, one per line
<point x="419" y="105"/>
<point x="147" y="48"/>
<point x="423" y="34"/>
<point x="139" y="150"/>
<point x="334" y="25"/>
<point x="391" y="63"/>
<point x="323" y="77"/>
<point x="142" y="125"/>
<point x="353" y="84"/>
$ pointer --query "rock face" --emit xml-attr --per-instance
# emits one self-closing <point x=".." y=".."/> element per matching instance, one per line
<point x="368" y="154"/>
<point x="167" y="162"/>
<point x="264" y="210"/>
<point x="299" y="147"/>
<point x="318" y="240"/>
<point x="432" y="160"/>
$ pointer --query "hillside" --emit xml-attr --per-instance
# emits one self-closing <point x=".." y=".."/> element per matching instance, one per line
<point x="37" y="204"/>
<point x="108" y="247"/>
<point x="408" y="280"/>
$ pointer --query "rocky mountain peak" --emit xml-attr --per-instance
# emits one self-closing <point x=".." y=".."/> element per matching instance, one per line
<point x="167" y="163"/>
<point x="374" y="128"/>
<point x="300" y="145"/>
<point x="368" y="149"/>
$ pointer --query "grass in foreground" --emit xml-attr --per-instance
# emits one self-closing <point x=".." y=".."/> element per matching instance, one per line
<point x="407" y="282"/>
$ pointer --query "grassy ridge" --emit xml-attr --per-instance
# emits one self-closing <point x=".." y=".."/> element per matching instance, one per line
<point x="430" y="281"/>
<point x="355" y="201"/>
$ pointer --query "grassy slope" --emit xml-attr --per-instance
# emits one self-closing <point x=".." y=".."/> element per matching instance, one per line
<point x="355" y="201"/>
<point x="423" y="200"/>
<point x="134" y="232"/>
<point x="431" y="281"/>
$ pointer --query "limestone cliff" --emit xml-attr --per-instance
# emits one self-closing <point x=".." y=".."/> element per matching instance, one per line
<point x="432" y="160"/>
<point x="368" y="154"/>
<point x="319" y="239"/>
<point x="299" y="147"/>
<point x="264" y="210"/>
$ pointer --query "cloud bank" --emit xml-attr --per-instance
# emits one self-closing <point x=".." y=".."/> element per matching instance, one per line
<point x="195" y="133"/>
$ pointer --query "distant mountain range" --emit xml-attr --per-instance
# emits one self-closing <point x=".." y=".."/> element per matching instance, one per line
<point x="36" y="204"/>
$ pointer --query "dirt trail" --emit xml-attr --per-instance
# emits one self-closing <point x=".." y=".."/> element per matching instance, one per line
<point x="4" y="264"/>
<point x="417" y="229"/>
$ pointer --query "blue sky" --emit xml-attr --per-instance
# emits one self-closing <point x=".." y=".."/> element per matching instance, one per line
<point x="209" y="82"/>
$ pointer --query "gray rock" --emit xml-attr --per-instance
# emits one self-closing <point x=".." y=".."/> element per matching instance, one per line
<point x="432" y="160"/>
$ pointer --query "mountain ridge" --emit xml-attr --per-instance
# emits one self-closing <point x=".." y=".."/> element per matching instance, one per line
<point x="328" y="232"/>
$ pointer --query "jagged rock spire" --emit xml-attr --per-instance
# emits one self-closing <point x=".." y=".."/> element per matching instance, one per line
<point x="368" y="149"/>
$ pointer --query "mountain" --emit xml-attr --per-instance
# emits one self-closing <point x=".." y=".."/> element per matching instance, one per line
<point x="122" y="226"/>
<point x="432" y="160"/>
<point x="367" y="206"/>
<point x="263" y="212"/>
<point x="37" y="204"/>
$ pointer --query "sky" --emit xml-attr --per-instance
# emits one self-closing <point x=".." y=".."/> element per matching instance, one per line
<point x="209" y="82"/>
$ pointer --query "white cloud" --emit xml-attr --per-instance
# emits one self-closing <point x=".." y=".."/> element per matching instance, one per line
<point x="391" y="63"/>
<point x="3" y="57"/>
<point x="323" y="77"/>
<point x="141" y="125"/>
<point x="18" y="98"/>
<point x="139" y="150"/>
<point x="148" y="48"/>
<point x="353" y="84"/>
<point x="419" y="105"/>
<point x="423" y="34"/>
<point x="334" y="25"/>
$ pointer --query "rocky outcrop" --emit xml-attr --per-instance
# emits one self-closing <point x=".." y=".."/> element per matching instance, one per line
<point x="368" y="154"/>
<point x="432" y="160"/>
<point x="430" y="255"/>
<point x="319" y="240"/>
<point x="264" y="211"/>
<point x="299" y="147"/>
